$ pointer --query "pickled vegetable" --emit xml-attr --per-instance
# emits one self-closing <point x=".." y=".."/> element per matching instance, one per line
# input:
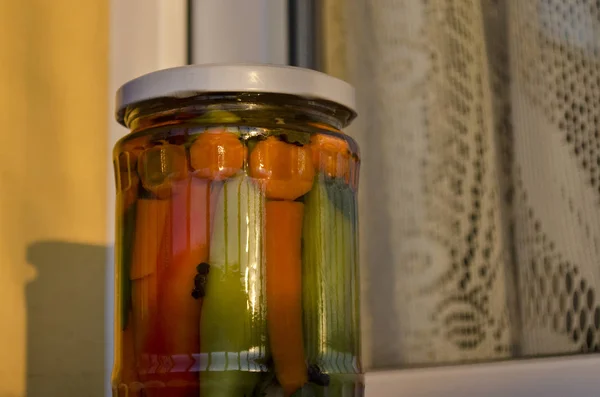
<point x="184" y="245"/>
<point x="125" y="361"/>
<point x="128" y="180"/>
<point x="151" y="217"/>
<point x="286" y="172"/>
<point x="285" y="169"/>
<point x="233" y="320"/>
<point x="127" y="188"/>
<point x="217" y="154"/>
<point x="161" y="167"/>
<point x="330" y="289"/>
<point x="331" y="155"/>
<point x="284" y="291"/>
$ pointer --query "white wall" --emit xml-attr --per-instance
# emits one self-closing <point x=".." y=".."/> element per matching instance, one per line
<point x="53" y="75"/>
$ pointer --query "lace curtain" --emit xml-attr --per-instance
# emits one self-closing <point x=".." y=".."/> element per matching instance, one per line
<point x="479" y="123"/>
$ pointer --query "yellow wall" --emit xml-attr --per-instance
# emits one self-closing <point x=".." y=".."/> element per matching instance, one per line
<point x="53" y="118"/>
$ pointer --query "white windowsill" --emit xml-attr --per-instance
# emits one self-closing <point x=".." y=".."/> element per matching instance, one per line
<point x="575" y="376"/>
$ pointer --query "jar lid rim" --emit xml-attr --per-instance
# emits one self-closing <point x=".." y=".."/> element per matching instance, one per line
<point x="191" y="80"/>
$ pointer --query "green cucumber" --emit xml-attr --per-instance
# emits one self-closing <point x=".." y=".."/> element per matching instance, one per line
<point x="330" y="278"/>
<point x="233" y="319"/>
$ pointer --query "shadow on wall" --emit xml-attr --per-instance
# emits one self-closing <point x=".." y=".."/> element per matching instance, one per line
<point x="65" y="320"/>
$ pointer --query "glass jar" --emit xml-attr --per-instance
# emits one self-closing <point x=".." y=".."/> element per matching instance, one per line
<point x="236" y="244"/>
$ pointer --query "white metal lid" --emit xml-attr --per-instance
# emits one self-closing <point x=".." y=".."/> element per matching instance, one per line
<point x="186" y="81"/>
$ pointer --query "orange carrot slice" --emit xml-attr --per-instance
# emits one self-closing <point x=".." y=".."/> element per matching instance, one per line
<point x="151" y="216"/>
<point x="217" y="154"/>
<point x="285" y="169"/>
<point x="284" y="292"/>
<point x="179" y="312"/>
<point x="331" y="155"/>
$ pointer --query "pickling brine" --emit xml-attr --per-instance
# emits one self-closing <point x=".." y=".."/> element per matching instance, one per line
<point x="237" y="248"/>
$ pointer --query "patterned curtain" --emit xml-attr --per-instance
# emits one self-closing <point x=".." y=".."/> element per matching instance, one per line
<point x="479" y="123"/>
